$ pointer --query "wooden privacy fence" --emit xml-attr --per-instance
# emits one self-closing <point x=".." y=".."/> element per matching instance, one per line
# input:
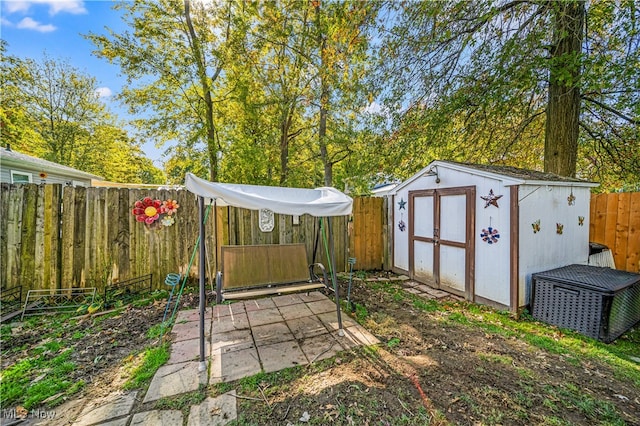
<point x="368" y="236"/>
<point x="615" y="222"/>
<point x="56" y="237"/>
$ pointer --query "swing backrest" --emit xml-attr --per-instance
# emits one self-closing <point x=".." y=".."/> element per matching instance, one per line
<point x="263" y="265"/>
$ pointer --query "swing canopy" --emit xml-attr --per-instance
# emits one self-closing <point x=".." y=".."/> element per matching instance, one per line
<point x="319" y="202"/>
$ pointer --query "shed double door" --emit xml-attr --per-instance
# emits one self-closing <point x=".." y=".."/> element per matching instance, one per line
<point x="441" y="226"/>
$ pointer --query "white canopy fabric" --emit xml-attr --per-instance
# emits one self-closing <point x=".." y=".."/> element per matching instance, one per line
<point x="320" y="202"/>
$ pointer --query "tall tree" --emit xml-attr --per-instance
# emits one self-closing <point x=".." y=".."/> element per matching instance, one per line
<point x="174" y="58"/>
<point x="479" y="78"/>
<point x="51" y="110"/>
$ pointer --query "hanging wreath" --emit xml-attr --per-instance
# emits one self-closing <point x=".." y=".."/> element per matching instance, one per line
<point x="155" y="213"/>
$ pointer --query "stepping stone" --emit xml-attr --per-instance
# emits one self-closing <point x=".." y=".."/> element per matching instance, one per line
<point x="355" y="336"/>
<point x="279" y="356"/>
<point x="423" y="288"/>
<point x="401" y="278"/>
<point x="330" y="320"/>
<point x="265" y="316"/>
<point x="322" y="306"/>
<point x="295" y="311"/>
<point x="114" y="405"/>
<point x="306" y="327"/>
<point x="228" y="309"/>
<point x="192" y="315"/>
<point x="412" y="290"/>
<point x="233" y="365"/>
<point x="384" y="279"/>
<point x="237" y="321"/>
<point x="437" y="293"/>
<point x="216" y="411"/>
<point x="157" y="417"/>
<point x="175" y="379"/>
<point x="187" y="350"/>
<point x="189" y="330"/>
<point x="258" y="304"/>
<point x="232" y="340"/>
<point x="271" y="333"/>
<point x="286" y="299"/>
<point x="314" y="296"/>
<point x="320" y="347"/>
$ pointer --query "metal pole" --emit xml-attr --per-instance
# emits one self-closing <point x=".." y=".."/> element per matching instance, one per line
<point x="334" y="277"/>
<point x="202" y="274"/>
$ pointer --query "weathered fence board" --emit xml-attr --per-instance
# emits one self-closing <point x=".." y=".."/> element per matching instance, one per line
<point x="615" y="222"/>
<point x="367" y="240"/>
<point x="56" y="237"/>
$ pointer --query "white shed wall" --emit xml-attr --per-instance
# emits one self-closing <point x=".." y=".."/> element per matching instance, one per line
<point x="491" y="260"/>
<point x="546" y="249"/>
<point x="492" y="264"/>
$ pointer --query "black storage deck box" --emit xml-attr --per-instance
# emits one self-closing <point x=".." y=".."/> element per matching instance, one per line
<point x="598" y="302"/>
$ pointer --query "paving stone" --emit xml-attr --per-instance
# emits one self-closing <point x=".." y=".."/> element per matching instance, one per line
<point x="371" y="280"/>
<point x="157" y="417"/>
<point x="295" y="311"/>
<point x="286" y="299"/>
<point x="189" y="330"/>
<point x="410" y="284"/>
<point x="187" y="350"/>
<point x="330" y="320"/>
<point x="265" y="316"/>
<point x="436" y="293"/>
<point x="279" y="356"/>
<point x="104" y="409"/>
<point x="384" y="279"/>
<point x="320" y="347"/>
<point x="355" y="336"/>
<point x="306" y="327"/>
<point x="271" y="333"/>
<point x="258" y="304"/>
<point x="237" y="321"/>
<point x="322" y="306"/>
<point x="228" y="309"/>
<point x="230" y="366"/>
<point x="402" y="278"/>
<point x="313" y="296"/>
<point x="175" y="379"/>
<point x="423" y="288"/>
<point x="232" y="340"/>
<point x="413" y="290"/>
<point x="216" y="411"/>
<point x="192" y="315"/>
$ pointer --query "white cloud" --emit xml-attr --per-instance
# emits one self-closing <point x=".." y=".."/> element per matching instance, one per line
<point x="103" y="92"/>
<point x="5" y="22"/>
<point x="30" y="24"/>
<point x="75" y="7"/>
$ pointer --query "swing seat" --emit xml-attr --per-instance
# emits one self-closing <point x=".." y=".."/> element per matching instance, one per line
<point x="267" y="269"/>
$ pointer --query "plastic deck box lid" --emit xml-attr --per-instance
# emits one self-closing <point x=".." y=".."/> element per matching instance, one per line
<point x="604" y="280"/>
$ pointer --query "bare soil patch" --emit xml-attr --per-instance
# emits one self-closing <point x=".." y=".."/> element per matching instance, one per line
<point x="438" y="363"/>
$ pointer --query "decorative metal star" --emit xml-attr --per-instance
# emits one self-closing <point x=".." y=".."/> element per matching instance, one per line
<point x="491" y="199"/>
<point x="402" y="204"/>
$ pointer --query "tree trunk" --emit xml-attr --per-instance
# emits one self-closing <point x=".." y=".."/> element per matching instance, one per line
<point x="198" y="55"/>
<point x="324" y="103"/>
<point x="563" y="105"/>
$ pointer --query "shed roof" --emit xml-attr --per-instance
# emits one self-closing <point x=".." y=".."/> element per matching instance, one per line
<point x="27" y="162"/>
<point x="507" y="174"/>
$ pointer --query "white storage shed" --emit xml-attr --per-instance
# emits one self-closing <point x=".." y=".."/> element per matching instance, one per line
<point x="480" y="231"/>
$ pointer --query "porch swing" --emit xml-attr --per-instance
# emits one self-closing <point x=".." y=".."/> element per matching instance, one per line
<point x="286" y="263"/>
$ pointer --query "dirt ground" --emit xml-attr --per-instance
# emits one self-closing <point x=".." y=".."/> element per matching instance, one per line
<point x="427" y="370"/>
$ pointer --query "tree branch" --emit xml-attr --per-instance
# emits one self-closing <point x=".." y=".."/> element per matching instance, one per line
<point x="611" y="110"/>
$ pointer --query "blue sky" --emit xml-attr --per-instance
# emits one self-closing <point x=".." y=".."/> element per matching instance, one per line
<point x="55" y="27"/>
